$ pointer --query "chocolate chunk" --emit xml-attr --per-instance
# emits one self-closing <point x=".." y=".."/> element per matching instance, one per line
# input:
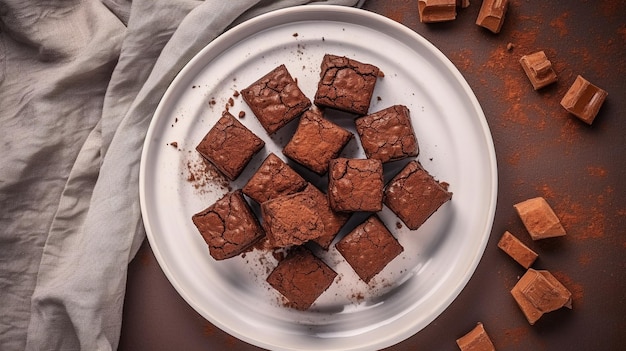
<point x="584" y="100"/>
<point x="333" y="221"/>
<point x="369" y="247"/>
<point x="228" y="226"/>
<point x="301" y="278"/>
<point x="521" y="253"/>
<point x="538" y="69"/>
<point x="273" y="178"/>
<point x="275" y="99"/>
<point x="414" y="195"/>
<point x="355" y="185"/>
<point x="346" y="84"/>
<point x="491" y="15"/>
<point x="476" y="340"/>
<point x="387" y="135"/>
<point x="229" y="146"/>
<point x="431" y="11"/>
<point x="539" y="292"/>
<point x="316" y="142"/>
<point x="539" y="219"/>
<point x="291" y="220"/>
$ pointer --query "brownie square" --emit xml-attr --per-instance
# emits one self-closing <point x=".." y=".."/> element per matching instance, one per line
<point x="369" y="247"/>
<point x="273" y="178"/>
<point x="228" y="226"/>
<point x="346" y="84"/>
<point x="275" y="99"/>
<point x="333" y="221"/>
<point x="229" y="146"/>
<point x="355" y="185"/>
<point x="388" y="135"/>
<point x="414" y="195"/>
<point x="291" y="220"/>
<point x="301" y="278"/>
<point x="316" y="142"/>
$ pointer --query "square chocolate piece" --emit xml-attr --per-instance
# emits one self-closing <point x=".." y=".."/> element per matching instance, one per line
<point x="355" y="185"/>
<point x="539" y="292"/>
<point x="521" y="253"/>
<point x="301" y="278"/>
<point x="346" y="84"/>
<point x="316" y="142"/>
<point x="584" y="100"/>
<point x="476" y="340"/>
<point x="414" y="195"/>
<point x="228" y="226"/>
<point x="333" y="221"/>
<point x="431" y="11"/>
<point x="229" y="146"/>
<point x="273" y="178"/>
<point x="275" y="99"/>
<point x="491" y="15"/>
<point x="539" y="218"/>
<point x="387" y="135"/>
<point x="369" y="248"/>
<point x="538" y="69"/>
<point x="291" y="219"/>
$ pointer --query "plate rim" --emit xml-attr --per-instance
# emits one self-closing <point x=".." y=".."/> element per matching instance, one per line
<point x="337" y="12"/>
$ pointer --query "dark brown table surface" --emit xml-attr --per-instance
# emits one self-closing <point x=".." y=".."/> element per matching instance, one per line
<point x="541" y="151"/>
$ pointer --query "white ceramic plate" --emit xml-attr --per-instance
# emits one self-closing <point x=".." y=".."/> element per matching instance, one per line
<point x="455" y="146"/>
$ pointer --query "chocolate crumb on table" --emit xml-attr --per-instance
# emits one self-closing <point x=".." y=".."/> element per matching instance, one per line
<point x="476" y="340"/>
<point x="539" y="218"/>
<point x="539" y="292"/>
<point x="387" y="135"/>
<point x="301" y="278"/>
<point x="492" y="13"/>
<point x="538" y="69"/>
<point x="431" y="11"/>
<point x="273" y="178"/>
<point x="291" y="219"/>
<point x="333" y="221"/>
<point x="414" y="195"/>
<point x="229" y="146"/>
<point x="355" y="185"/>
<point x="346" y="84"/>
<point x="316" y="141"/>
<point x="584" y="100"/>
<point x="521" y="253"/>
<point x="369" y="248"/>
<point x="228" y="226"/>
<point x="275" y="99"/>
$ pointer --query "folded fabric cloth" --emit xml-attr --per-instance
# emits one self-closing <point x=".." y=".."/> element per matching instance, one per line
<point x="79" y="83"/>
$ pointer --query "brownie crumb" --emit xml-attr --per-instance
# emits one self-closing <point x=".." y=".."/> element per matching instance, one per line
<point x="174" y="144"/>
<point x="242" y="114"/>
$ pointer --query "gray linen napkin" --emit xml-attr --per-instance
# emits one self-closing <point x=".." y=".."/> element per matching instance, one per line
<point x="79" y="82"/>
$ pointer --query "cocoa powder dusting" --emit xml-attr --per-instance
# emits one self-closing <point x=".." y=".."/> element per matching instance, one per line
<point x="560" y="24"/>
<point x="200" y="173"/>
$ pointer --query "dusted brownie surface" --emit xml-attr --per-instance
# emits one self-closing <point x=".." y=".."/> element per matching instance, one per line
<point x="273" y="178"/>
<point x="333" y="221"/>
<point x="355" y="185"/>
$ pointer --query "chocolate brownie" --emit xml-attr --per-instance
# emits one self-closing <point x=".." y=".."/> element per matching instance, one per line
<point x="355" y="185"/>
<point x="414" y="195"/>
<point x="333" y="221"/>
<point x="346" y="84"/>
<point x="387" y="135"/>
<point x="301" y="278"/>
<point x="369" y="247"/>
<point x="291" y="219"/>
<point x="229" y="146"/>
<point x="228" y="226"/>
<point x="275" y="99"/>
<point x="316" y="141"/>
<point x="273" y="178"/>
